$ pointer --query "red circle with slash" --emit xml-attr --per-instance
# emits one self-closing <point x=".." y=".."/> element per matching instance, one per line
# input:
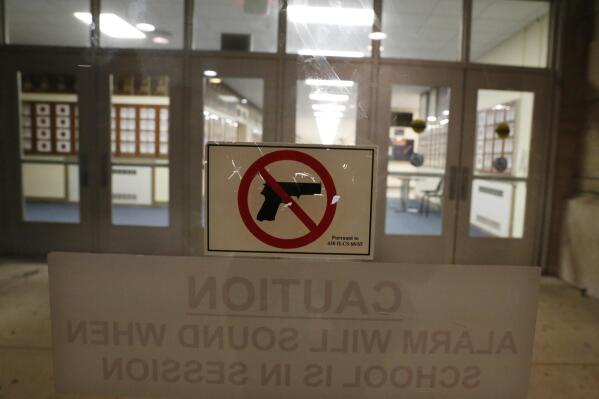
<point x="315" y="229"/>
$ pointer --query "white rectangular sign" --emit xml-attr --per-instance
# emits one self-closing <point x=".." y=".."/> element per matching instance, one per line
<point x="295" y="200"/>
<point x="221" y="327"/>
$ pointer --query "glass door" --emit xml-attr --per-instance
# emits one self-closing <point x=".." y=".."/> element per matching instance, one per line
<point x="232" y="100"/>
<point x="503" y="164"/>
<point x="48" y="140"/>
<point x="418" y="132"/>
<point x="140" y="154"/>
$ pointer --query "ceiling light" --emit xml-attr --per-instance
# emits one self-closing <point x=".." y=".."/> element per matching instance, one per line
<point x="377" y="35"/>
<point x="446" y="112"/>
<point x="146" y="27"/>
<point x="431" y="118"/>
<point x="244" y="101"/>
<point x="228" y="98"/>
<point x="160" y="40"/>
<point x="331" y="53"/>
<point x="444" y="121"/>
<point x="210" y="73"/>
<point x="500" y="107"/>
<point x="328" y="107"/>
<point x="112" y="25"/>
<point x="328" y="97"/>
<point x="330" y="83"/>
<point x="215" y="80"/>
<point x="331" y="15"/>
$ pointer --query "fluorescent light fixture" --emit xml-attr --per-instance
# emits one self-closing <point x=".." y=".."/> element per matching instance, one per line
<point x="244" y="101"/>
<point x="446" y="112"/>
<point x="228" y="98"/>
<point x="330" y="83"/>
<point x="328" y="114"/>
<point x="500" y="107"/>
<point x="328" y="97"/>
<point x="377" y="35"/>
<point x="330" y="15"/>
<point x="215" y="81"/>
<point x="328" y="107"/>
<point x="112" y="25"/>
<point x="444" y="121"/>
<point x="331" y="53"/>
<point x="146" y="27"/>
<point x="431" y="118"/>
<point x="160" y="40"/>
<point x="210" y="73"/>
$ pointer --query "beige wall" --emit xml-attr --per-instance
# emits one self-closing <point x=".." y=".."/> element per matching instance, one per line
<point x="579" y="249"/>
<point x="528" y="47"/>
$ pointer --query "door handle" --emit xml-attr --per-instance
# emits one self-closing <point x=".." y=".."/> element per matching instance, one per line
<point x="464" y="183"/>
<point x="452" y="187"/>
<point x="83" y="175"/>
<point x="104" y="176"/>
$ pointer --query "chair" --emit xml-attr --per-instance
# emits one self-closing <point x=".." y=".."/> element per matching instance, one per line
<point x="425" y="201"/>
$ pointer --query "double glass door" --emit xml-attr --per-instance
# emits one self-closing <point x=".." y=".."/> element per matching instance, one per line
<point x="461" y="165"/>
<point x="94" y="154"/>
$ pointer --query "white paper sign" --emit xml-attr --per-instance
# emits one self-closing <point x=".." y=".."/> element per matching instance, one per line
<point x="293" y="200"/>
<point x="221" y="327"/>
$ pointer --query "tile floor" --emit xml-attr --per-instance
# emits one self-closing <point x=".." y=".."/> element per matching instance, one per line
<point x="565" y="361"/>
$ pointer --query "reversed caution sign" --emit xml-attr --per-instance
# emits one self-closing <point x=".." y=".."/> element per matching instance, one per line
<point x="297" y="200"/>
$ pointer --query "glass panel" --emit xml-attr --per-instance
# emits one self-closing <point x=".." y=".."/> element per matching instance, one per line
<point x="47" y="22"/>
<point x="422" y="29"/>
<point x="509" y="32"/>
<point x="233" y="109"/>
<point x="233" y="25"/>
<point x="501" y="163"/>
<point x="140" y="150"/>
<point x="329" y="27"/>
<point x="232" y="112"/>
<point x="416" y="168"/>
<point x="326" y="111"/>
<point x="49" y="146"/>
<point x="141" y="23"/>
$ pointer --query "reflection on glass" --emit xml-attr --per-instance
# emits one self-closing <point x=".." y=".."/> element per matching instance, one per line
<point x="510" y="32"/>
<point x="140" y="150"/>
<point x="49" y="145"/>
<point x="501" y="163"/>
<point x="422" y="29"/>
<point x="416" y="168"/>
<point x="46" y="22"/>
<point x="140" y="23"/>
<point x="329" y="28"/>
<point x="232" y="25"/>
<point x="233" y="109"/>
<point x="326" y="111"/>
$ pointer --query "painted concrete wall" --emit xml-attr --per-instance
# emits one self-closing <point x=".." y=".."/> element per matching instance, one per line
<point x="579" y="233"/>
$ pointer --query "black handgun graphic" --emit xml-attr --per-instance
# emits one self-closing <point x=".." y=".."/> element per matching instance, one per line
<point x="269" y="208"/>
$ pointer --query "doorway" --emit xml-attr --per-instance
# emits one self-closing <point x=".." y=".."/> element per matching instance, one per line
<point x="461" y="166"/>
